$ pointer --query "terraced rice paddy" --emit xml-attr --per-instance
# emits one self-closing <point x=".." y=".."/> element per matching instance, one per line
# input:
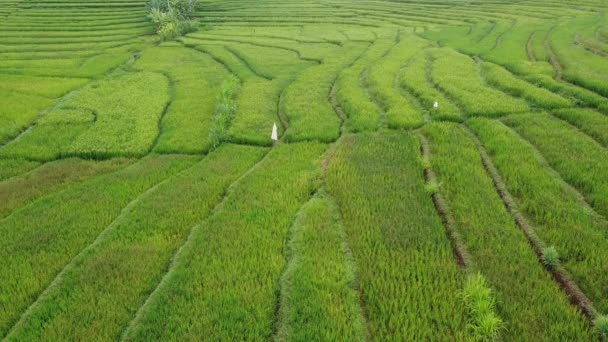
<point x="440" y="174"/>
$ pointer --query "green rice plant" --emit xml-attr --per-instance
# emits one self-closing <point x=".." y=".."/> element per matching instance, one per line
<point x="528" y="300"/>
<point x="306" y="100"/>
<point x="195" y="80"/>
<point x="224" y="112"/>
<point x="580" y="95"/>
<point x="589" y="121"/>
<point x="318" y="298"/>
<point x="11" y="167"/>
<point x="415" y="79"/>
<point x="143" y="95"/>
<point x="406" y="270"/>
<point x="363" y="114"/>
<point x="579" y="65"/>
<point x="550" y="256"/>
<point x="557" y="213"/>
<point x="458" y="76"/>
<point x="138" y="248"/>
<point x="18" y="111"/>
<point x="270" y="70"/>
<point x="34" y="250"/>
<point x="600" y="326"/>
<point x="484" y="323"/>
<point x="502" y="79"/>
<point x="269" y="62"/>
<point x="50" y="87"/>
<point x="575" y="156"/>
<point x="380" y="80"/>
<point x="209" y="294"/>
<point x="51" y="177"/>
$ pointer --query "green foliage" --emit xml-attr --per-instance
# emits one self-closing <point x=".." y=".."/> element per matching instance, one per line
<point x="18" y="111"/>
<point x="128" y="262"/>
<point x="527" y="297"/>
<point x="589" y="121"/>
<point x="224" y="112"/>
<point x="558" y="215"/>
<point x="406" y="270"/>
<point x="503" y="79"/>
<point x="306" y="100"/>
<point x="484" y="322"/>
<point x="209" y="294"/>
<point x="34" y="250"/>
<point x="363" y="114"/>
<point x="196" y="81"/>
<point x="50" y="177"/>
<point x="600" y="326"/>
<point x="575" y="156"/>
<point x="13" y="167"/>
<point x="415" y="78"/>
<point x="550" y="256"/>
<point x="173" y="18"/>
<point x="380" y="79"/>
<point x="458" y="76"/>
<point x="319" y="300"/>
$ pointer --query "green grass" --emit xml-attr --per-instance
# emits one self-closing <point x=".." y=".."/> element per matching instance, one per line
<point x="502" y="79"/>
<point x="18" y="111"/>
<point x="406" y="271"/>
<point x="530" y="303"/>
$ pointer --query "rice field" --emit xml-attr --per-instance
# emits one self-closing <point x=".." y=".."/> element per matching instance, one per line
<point x="439" y="173"/>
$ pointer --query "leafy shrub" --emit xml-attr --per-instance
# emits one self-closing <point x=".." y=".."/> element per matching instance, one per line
<point x="224" y="111"/>
<point x="172" y="18"/>
<point x="550" y="256"/>
<point x="600" y="326"/>
<point x="484" y="323"/>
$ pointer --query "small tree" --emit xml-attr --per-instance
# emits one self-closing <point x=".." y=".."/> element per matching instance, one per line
<point x="173" y="18"/>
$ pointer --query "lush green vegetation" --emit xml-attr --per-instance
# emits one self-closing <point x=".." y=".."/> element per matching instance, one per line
<point x="440" y="170"/>
<point x="407" y="275"/>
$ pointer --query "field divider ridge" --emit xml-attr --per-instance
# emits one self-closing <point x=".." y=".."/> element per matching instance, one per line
<point x="560" y="275"/>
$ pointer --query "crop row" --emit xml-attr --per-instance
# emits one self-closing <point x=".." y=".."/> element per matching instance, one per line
<point x="306" y="101"/>
<point x="579" y="159"/>
<point x="50" y="177"/>
<point x="559" y="216"/>
<point x="209" y="294"/>
<point x="406" y="271"/>
<point x="34" y="250"/>
<point x="363" y="114"/>
<point x="196" y="79"/>
<point x="458" y="76"/>
<point x="528" y="300"/>
<point x="110" y="280"/>
<point x="380" y="78"/>
<point x="99" y="128"/>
